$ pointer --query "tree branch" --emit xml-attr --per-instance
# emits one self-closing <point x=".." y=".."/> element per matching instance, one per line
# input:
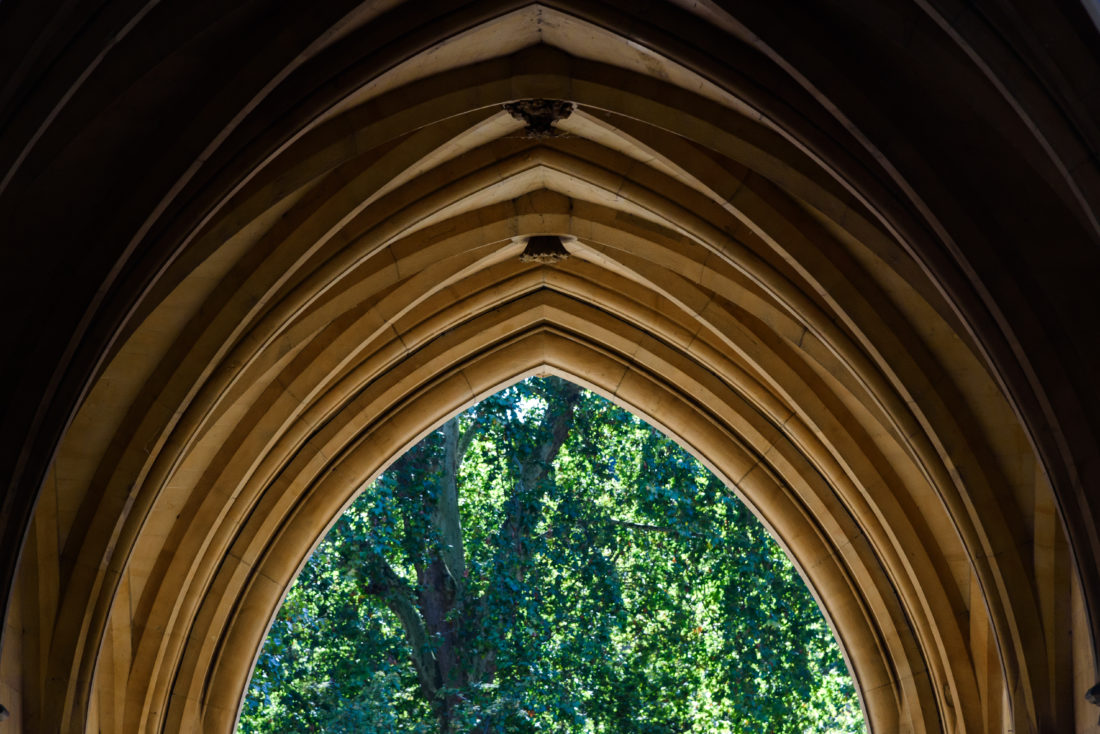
<point x="465" y="439"/>
<point x="392" y="589"/>
<point x="445" y="515"/>
<point x="642" y="526"/>
<point x="556" y="425"/>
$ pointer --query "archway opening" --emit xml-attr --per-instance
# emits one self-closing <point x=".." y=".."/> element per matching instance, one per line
<point x="547" y="561"/>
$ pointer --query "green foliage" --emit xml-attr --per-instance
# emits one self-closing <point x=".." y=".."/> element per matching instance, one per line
<point x="604" y="581"/>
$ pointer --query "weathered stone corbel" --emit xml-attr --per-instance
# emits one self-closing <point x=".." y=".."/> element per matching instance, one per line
<point x="545" y="249"/>
<point x="1092" y="695"/>
<point x="540" y="115"/>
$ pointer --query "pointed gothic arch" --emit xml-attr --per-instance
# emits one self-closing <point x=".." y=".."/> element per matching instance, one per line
<point x="337" y="272"/>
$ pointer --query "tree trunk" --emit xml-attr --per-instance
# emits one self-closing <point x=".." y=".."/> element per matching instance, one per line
<point x="445" y="662"/>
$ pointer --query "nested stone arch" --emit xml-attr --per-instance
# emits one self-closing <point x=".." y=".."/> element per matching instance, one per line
<point x="373" y="249"/>
<point x="1029" y="637"/>
<point x="548" y="350"/>
<point x="539" y="214"/>
<point x="141" y="680"/>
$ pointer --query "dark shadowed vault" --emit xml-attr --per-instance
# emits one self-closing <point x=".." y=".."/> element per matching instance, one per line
<point x="846" y="251"/>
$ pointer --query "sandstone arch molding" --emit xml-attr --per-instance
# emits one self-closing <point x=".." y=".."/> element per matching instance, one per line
<point x="322" y="309"/>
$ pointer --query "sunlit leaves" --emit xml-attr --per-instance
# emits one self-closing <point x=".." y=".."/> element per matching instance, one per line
<point x="627" y="591"/>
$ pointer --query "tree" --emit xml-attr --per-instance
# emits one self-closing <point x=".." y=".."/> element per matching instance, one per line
<point x="547" y="562"/>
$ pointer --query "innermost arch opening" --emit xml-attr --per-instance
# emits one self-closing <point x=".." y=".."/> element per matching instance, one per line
<point x="546" y="561"/>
